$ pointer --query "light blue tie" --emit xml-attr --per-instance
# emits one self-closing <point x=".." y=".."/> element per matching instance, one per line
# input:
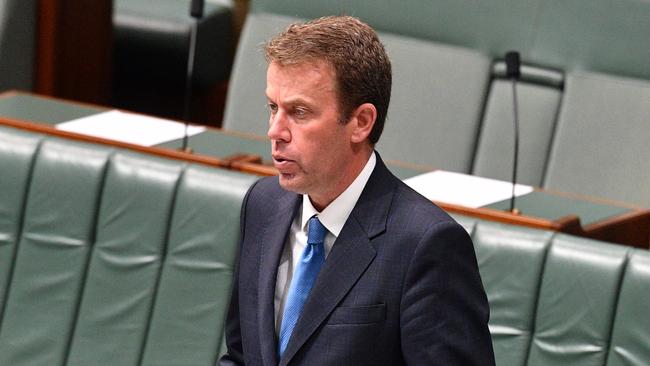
<point x="303" y="279"/>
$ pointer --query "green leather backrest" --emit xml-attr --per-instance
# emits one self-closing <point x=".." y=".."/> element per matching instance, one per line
<point x="121" y="258"/>
<point x="197" y="274"/>
<point x="630" y="337"/>
<point x="436" y="103"/>
<point x="126" y="260"/>
<point x="17" y="43"/>
<point x="246" y="107"/>
<point x="17" y="151"/>
<point x="602" y="140"/>
<point x="511" y="261"/>
<point x="58" y="231"/>
<point x="577" y="302"/>
<point x="537" y="107"/>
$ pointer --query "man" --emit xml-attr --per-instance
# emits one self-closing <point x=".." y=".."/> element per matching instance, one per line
<point x="340" y="262"/>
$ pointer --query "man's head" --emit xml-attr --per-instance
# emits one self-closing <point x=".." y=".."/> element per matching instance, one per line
<point x="328" y="88"/>
<point x="362" y="68"/>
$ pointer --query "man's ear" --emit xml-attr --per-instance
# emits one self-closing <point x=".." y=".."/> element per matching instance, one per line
<point x="363" y="120"/>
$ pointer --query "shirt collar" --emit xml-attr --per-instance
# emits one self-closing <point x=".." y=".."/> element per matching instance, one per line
<point x="336" y="213"/>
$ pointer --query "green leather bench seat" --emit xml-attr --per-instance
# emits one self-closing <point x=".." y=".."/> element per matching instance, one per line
<point x="557" y="299"/>
<point x="630" y="337"/>
<point x="111" y="257"/>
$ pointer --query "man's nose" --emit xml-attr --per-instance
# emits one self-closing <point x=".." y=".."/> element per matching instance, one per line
<point x="278" y="129"/>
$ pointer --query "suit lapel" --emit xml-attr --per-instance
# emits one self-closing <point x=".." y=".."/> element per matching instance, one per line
<point x="274" y="235"/>
<point x="351" y="254"/>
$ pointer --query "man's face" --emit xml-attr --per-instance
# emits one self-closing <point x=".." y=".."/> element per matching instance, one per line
<point x="311" y="148"/>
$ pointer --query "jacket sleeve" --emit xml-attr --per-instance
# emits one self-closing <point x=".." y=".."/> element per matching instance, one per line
<point x="235" y="353"/>
<point x="444" y="310"/>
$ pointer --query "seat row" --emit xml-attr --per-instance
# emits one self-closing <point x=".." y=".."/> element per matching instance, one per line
<point x="583" y="112"/>
<point x="111" y="257"/>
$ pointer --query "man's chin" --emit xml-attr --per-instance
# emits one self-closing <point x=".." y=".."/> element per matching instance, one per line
<point x="291" y="182"/>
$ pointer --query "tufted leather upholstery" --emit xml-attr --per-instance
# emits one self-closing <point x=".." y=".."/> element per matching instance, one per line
<point x="557" y="299"/>
<point x="111" y="257"/>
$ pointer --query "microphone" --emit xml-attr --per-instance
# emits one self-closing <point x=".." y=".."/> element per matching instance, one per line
<point x="196" y="9"/>
<point x="513" y="72"/>
<point x="196" y="12"/>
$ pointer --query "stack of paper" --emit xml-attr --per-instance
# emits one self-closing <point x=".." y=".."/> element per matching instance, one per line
<point x="462" y="189"/>
<point x="129" y="127"/>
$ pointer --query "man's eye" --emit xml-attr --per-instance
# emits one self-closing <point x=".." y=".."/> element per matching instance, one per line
<point x="300" y="112"/>
<point x="273" y="107"/>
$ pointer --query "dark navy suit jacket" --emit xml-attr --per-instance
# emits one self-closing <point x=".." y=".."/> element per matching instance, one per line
<point x="400" y="285"/>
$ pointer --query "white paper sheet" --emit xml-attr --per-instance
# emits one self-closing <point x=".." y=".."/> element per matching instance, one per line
<point x="462" y="189"/>
<point x="129" y="127"/>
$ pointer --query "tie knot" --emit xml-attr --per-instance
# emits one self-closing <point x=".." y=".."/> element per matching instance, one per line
<point x="315" y="231"/>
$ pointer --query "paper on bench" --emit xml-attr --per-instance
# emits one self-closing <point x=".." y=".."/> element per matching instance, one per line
<point x="462" y="189"/>
<point x="129" y="127"/>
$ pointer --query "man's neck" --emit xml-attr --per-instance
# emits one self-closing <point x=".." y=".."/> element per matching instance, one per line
<point x="347" y="178"/>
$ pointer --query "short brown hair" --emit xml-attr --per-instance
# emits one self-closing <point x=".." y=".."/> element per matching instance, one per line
<point x="362" y="67"/>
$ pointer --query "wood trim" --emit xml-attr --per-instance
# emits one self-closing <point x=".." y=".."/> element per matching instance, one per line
<point x="245" y="163"/>
<point x="632" y="228"/>
<point x="242" y="157"/>
<point x="10" y="93"/>
<point x="165" y="153"/>
<point x="637" y="215"/>
<point x="568" y="224"/>
<point x="258" y="169"/>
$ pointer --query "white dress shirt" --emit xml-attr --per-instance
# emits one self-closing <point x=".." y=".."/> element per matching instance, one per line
<point x="333" y="217"/>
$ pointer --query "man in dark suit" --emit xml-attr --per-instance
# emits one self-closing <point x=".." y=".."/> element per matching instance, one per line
<point x="340" y="262"/>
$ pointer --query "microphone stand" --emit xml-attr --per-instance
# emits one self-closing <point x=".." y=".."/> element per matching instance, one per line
<point x="513" y="71"/>
<point x="196" y="12"/>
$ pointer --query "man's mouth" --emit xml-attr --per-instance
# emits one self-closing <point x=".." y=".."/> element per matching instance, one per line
<point x="281" y="162"/>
